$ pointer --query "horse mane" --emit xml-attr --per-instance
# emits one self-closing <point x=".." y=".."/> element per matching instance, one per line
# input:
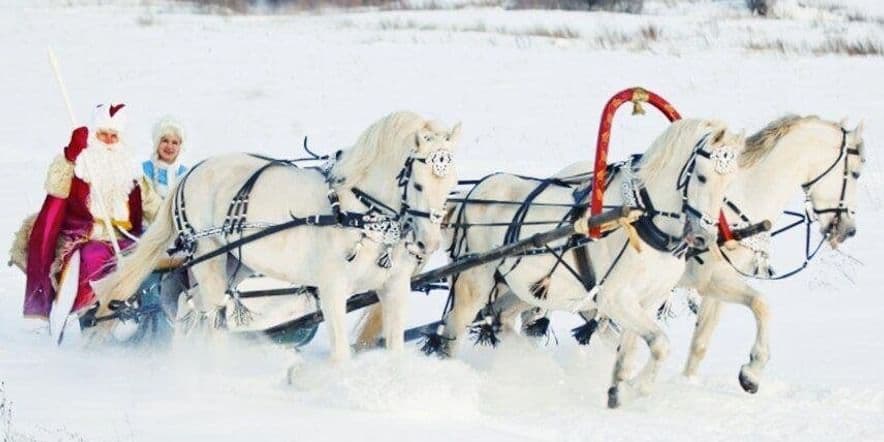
<point x="759" y="144"/>
<point x="387" y="141"/>
<point x="679" y="133"/>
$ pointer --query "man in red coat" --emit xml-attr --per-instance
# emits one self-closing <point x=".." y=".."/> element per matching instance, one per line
<point x="94" y="184"/>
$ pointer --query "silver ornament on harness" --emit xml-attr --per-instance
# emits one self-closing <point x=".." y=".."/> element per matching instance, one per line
<point x="759" y="245"/>
<point x="440" y="161"/>
<point x="725" y="159"/>
<point x="382" y="229"/>
<point x="436" y="216"/>
<point x="628" y="186"/>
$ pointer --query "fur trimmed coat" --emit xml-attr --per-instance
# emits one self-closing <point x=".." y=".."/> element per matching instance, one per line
<point x="45" y="242"/>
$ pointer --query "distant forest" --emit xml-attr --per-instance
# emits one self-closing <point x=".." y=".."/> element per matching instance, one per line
<point x="760" y="7"/>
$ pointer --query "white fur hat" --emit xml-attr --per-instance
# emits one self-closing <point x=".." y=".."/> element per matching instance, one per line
<point x="167" y="125"/>
<point x="109" y="116"/>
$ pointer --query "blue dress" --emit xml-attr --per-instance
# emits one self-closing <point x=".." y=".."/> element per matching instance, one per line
<point x="155" y="326"/>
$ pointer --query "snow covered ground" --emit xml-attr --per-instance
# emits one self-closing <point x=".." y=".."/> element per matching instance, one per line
<point x="530" y="104"/>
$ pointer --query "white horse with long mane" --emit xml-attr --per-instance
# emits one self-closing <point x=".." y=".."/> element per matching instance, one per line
<point x="369" y="218"/>
<point x="821" y="158"/>
<point x="680" y="182"/>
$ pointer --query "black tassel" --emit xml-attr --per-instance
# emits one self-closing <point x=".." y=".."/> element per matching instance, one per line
<point x="241" y="314"/>
<point x="692" y="304"/>
<point x="540" y="289"/>
<point x="385" y="260"/>
<point x="436" y="343"/>
<point x="354" y="252"/>
<point x="221" y="319"/>
<point x="665" y="312"/>
<point x="584" y="333"/>
<point x="537" y="328"/>
<point x="192" y="320"/>
<point x="486" y="332"/>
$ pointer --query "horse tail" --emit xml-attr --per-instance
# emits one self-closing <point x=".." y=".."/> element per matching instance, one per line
<point x="369" y="328"/>
<point x="134" y="267"/>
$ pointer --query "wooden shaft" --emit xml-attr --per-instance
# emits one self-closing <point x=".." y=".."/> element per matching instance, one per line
<point x="365" y="299"/>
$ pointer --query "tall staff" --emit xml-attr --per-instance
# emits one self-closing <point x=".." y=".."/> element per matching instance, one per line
<point x="103" y="214"/>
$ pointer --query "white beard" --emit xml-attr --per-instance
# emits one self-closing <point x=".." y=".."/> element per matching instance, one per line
<point x="111" y="174"/>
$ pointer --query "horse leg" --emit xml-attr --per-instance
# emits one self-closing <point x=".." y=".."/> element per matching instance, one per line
<point x="394" y="300"/>
<point x="632" y="317"/>
<point x="707" y="320"/>
<point x="471" y="290"/>
<point x="333" y="302"/>
<point x="623" y="364"/>
<point x="515" y="313"/>
<point x="210" y="294"/>
<point x="732" y="288"/>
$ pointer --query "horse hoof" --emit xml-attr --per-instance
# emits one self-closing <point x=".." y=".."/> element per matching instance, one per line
<point x="749" y="386"/>
<point x="613" y="398"/>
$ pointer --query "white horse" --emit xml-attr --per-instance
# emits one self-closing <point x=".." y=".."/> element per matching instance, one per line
<point x="680" y="181"/>
<point x="369" y="218"/>
<point x="817" y="156"/>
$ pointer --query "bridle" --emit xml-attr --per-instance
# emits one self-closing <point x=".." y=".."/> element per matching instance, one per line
<point x="636" y="194"/>
<point x="725" y="162"/>
<point x="811" y="213"/>
<point x="397" y="224"/>
<point x="844" y="154"/>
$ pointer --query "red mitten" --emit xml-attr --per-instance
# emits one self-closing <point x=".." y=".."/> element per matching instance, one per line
<point x="78" y="142"/>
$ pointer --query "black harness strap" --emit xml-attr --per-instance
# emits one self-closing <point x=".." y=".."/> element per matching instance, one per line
<point x="651" y="234"/>
<point x="585" y="272"/>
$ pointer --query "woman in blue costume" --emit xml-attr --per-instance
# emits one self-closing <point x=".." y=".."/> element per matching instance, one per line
<point x="163" y="170"/>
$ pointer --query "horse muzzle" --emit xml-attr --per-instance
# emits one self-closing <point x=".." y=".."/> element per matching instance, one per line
<point x="839" y="230"/>
<point x="696" y="236"/>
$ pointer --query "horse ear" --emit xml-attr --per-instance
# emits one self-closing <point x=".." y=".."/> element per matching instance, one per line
<point x="420" y="138"/>
<point x="858" y="131"/>
<point x="454" y="135"/>
<point x="718" y="134"/>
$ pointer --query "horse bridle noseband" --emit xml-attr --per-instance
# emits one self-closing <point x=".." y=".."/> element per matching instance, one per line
<point x="844" y="154"/>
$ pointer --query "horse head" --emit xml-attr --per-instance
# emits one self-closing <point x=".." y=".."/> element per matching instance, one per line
<point x="831" y="186"/>
<point x="432" y="176"/>
<point x="715" y="161"/>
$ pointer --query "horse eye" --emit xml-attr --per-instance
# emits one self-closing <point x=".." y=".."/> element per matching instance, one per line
<point x="855" y="175"/>
<point x="702" y="178"/>
<point x="418" y="187"/>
